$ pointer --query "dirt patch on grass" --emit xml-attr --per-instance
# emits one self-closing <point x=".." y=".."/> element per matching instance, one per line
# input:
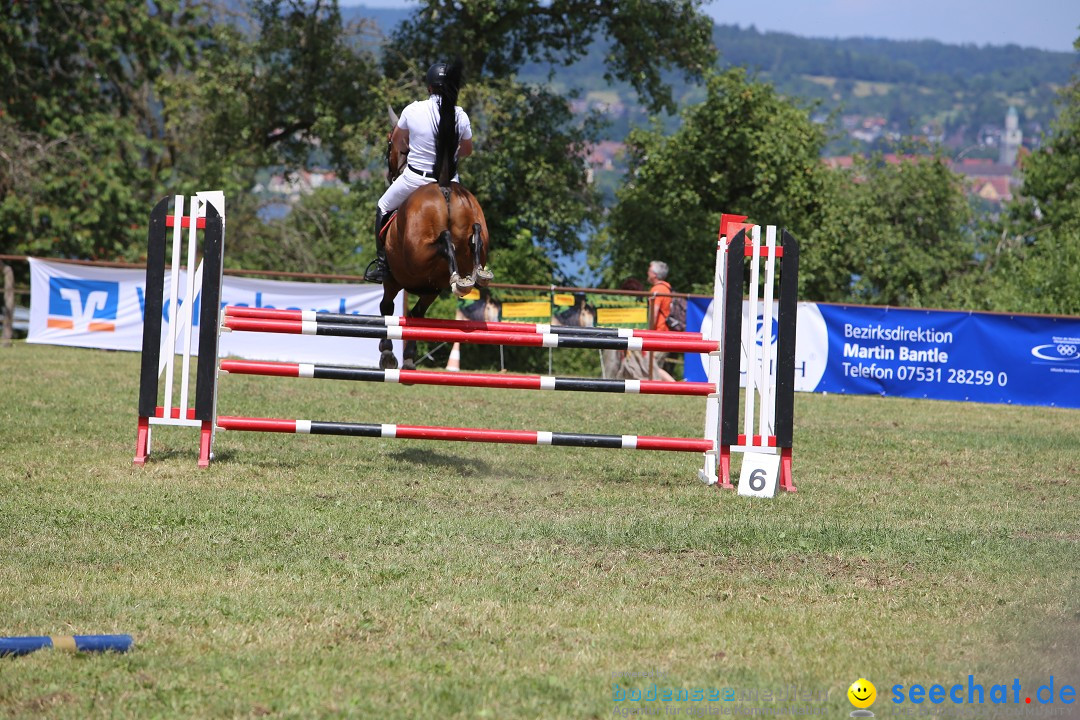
<point x="862" y="572"/>
<point x="44" y="704"/>
<point x="1060" y="535"/>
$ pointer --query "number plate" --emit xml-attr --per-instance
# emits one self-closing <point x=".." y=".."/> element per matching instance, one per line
<point x="759" y="474"/>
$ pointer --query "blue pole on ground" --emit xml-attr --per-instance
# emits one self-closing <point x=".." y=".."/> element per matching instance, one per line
<point x="80" y="643"/>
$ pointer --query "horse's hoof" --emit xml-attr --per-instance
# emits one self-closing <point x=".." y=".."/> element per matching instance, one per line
<point x="461" y="286"/>
<point x="387" y="361"/>
<point x="409" y="364"/>
<point x="484" y="275"/>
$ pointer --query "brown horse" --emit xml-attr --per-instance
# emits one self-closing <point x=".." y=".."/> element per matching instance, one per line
<point x="437" y="240"/>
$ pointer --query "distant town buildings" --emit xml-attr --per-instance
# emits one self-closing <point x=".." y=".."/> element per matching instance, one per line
<point x="987" y="177"/>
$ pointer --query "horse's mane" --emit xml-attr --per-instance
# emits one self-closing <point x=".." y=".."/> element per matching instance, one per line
<point x="446" y="139"/>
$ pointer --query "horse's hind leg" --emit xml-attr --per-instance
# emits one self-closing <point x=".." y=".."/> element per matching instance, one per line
<point x="461" y="286"/>
<point x="418" y="310"/>
<point x="387" y="361"/>
<point x="480" y="272"/>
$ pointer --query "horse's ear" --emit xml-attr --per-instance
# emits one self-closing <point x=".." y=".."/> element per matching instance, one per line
<point x="393" y="116"/>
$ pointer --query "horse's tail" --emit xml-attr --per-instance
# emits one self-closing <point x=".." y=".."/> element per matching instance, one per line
<point x="446" y="139"/>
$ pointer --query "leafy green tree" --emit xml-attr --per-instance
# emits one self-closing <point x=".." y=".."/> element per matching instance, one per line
<point x="1050" y="196"/>
<point x="289" y="87"/>
<point x="743" y="150"/>
<point x="496" y="37"/>
<point x="880" y="233"/>
<point x="79" y="101"/>
<point x="531" y="178"/>
<point x="908" y="229"/>
<point x="285" y="86"/>
<point x="110" y="105"/>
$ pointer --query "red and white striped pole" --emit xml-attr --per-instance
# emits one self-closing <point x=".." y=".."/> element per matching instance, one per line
<point x="481" y="337"/>
<point x="460" y="379"/>
<point x="484" y="435"/>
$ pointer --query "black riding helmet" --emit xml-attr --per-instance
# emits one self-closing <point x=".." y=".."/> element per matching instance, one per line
<point x="436" y="75"/>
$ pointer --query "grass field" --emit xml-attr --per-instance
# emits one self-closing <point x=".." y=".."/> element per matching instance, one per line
<point x="332" y="577"/>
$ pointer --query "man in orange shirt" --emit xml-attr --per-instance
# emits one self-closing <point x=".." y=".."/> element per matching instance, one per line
<point x="661" y="308"/>
<point x="661" y="304"/>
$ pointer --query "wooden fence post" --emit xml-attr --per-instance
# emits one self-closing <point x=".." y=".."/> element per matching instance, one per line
<point x="9" y="305"/>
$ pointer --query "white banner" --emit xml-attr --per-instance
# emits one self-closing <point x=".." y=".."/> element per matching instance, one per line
<point x="811" y="344"/>
<point x="96" y="307"/>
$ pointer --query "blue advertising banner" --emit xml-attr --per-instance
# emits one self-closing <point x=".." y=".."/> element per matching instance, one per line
<point x="698" y="319"/>
<point x="981" y="357"/>
<point x="935" y="354"/>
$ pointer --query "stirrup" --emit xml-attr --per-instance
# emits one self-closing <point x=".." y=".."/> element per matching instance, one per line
<point x="375" y="272"/>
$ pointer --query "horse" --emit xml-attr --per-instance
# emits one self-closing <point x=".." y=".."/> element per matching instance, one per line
<point x="581" y="314"/>
<point x="436" y="241"/>
<point x="486" y="309"/>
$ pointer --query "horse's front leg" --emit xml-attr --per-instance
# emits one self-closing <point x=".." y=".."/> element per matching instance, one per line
<point x="387" y="361"/>
<point x="417" y="311"/>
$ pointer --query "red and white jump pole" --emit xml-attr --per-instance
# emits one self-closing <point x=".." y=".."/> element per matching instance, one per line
<point x="468" y="379"/>
<point x="238" y="311"/>
<point x="481" y="337"/>
<point x="485" y="435"/>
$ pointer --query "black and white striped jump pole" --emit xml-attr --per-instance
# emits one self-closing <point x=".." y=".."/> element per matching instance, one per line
<point x="480" y="337"/>
<point x="485" y="380"/>
<point x="484" y="435"/>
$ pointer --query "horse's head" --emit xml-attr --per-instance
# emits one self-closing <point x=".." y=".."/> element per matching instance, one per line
<point x="395" y="161"/>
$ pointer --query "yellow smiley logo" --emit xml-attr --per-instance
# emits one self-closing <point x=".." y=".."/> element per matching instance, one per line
<point x="862" y="693"/>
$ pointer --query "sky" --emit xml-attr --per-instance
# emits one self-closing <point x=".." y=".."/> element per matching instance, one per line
<point x="1044" y="24"/>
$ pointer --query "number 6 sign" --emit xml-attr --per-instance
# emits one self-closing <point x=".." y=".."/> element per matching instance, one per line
<point x="758" y="475"/>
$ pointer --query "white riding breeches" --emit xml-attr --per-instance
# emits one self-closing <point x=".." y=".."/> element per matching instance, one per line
<point x="402" y="188"/>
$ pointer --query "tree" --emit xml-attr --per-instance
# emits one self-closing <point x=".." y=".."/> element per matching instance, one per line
<point x="531" y="177"/>
<point x="743" y="150"/>
<point x="79" y="100"/>
<point x="289" y="88"/>
<point x="286" y="86"/>
<point x="110" y="105"/>
<point x="881" y="233"/>
<point x="1050" y="196"/>
<point x="908" y="228"/>
<point x="496" y="37"/>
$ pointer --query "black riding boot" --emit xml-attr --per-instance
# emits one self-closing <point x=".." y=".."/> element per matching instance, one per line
<point x="377" y="270"/>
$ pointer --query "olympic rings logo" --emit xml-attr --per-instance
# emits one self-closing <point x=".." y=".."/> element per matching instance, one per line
<point x="1066" y="350"/>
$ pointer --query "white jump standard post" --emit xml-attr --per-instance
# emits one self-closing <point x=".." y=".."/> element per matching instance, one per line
<point x="158" y="352"/>
<point x="770" y="373"/>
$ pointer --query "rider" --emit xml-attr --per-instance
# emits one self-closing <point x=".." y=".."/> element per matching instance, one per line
<point x="415" y="134"/>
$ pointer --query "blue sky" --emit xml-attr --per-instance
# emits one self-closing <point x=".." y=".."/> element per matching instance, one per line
<point x="1046" y="24"/>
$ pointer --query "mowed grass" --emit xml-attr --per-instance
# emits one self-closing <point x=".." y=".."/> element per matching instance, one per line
<point x="304" y="576"/>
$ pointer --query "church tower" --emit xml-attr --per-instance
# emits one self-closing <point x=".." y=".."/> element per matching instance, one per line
<point x="1011" y="139"/>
